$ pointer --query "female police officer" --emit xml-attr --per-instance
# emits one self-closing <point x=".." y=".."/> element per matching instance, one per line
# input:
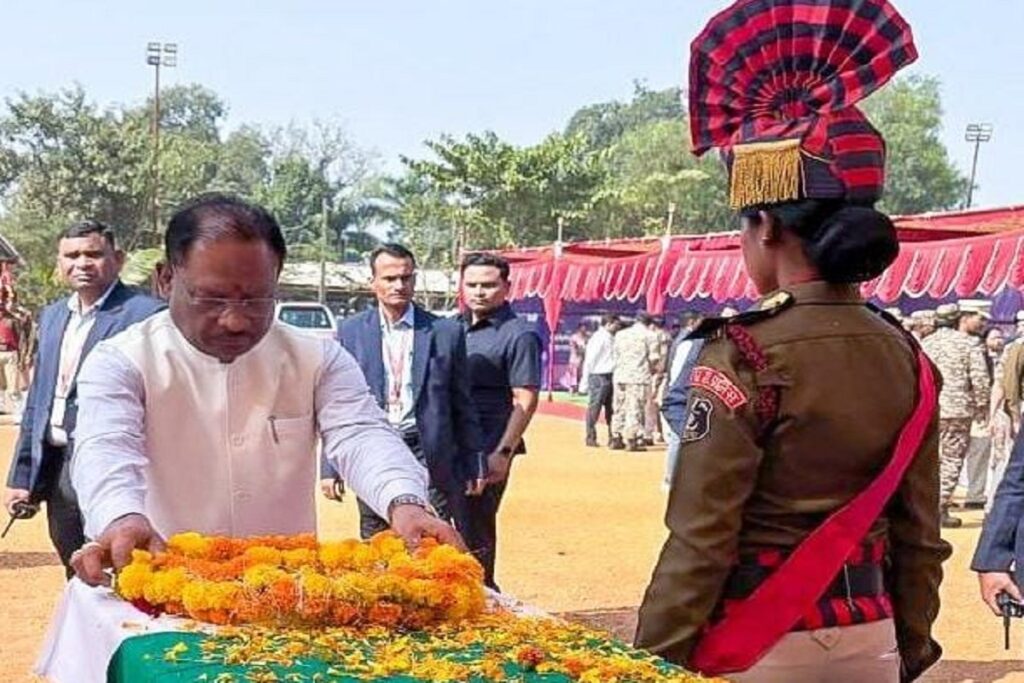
<point x="804" y="514"/>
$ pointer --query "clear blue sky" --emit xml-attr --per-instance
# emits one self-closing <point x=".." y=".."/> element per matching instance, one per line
<point x="397" y="72"/>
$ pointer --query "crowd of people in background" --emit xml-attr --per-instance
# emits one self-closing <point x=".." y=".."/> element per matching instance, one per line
<point x="626" y="364"/>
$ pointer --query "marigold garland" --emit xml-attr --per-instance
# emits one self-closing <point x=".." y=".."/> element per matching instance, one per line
<point x="377" y="610"/>
<point x="294" y="581"/>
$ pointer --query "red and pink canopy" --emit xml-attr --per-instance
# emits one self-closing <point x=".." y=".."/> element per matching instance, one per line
<point x="962" y="254"/>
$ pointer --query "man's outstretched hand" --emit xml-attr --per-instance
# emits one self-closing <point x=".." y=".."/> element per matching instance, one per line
<point x="113" y="548"/>
<point x="413" y="523"/>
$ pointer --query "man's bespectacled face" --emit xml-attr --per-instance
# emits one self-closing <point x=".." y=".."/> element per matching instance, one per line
<point x="222" y="295"/>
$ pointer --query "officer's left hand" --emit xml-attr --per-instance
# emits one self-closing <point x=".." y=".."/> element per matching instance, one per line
<point x="413" y="523"/>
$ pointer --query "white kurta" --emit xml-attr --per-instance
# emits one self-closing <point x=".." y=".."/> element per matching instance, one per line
<point x="227" y="448"/>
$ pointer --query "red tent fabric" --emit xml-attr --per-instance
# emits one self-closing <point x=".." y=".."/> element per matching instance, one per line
<point x="954" y="254"/>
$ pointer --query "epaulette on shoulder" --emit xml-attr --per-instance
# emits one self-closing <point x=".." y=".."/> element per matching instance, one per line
<point x="768" y="307"/>
<point x="884" y="315"/>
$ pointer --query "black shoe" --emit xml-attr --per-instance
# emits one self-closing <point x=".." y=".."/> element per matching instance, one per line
<point x="648" y="442"/>
<point x="974" y="506"/>
<point x="616" y="444"/>
<point x="591" y="443"/>
<point x="633" y="446"/>
<point x="951" y="522"/>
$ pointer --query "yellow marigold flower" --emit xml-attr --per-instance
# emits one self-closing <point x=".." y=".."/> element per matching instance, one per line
<point x="387" y="544"/>
<point x="261" y="575"/>
<point x="166" y="586"/>
<point x="261" y="554"/>
<point x="365" y="558"/>
<point x="142" y="557"/>
<point x="354" y="587"/>
<point x="402" y="564"/>
<point x="317" y="585"/>
<point x="189" y="544"/>
<point x="298" y="557"/>
<point x="336" y="556"/>
<point x="133" y="579"/>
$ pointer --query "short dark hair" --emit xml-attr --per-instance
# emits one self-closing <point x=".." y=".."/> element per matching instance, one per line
<point x="391" y="249"/>
<point x="492" y="260"/>
<point x="231" y="217"/>
<point x="644" y="318"/>
<point x="609" y="319"/>
<point x="88" y="227"/>
<point x="688" y="317"/>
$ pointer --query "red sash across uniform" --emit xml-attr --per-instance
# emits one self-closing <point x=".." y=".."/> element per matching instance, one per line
<point x="756" y="624"/>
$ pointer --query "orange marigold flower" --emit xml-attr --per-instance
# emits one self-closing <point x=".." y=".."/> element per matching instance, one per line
<point x="385" y="614"/>
<point x="529" y="657"/>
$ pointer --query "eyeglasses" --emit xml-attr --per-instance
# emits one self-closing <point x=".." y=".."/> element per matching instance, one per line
<point x="257" y="308"/>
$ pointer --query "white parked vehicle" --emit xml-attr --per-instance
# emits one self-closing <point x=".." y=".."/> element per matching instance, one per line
<point x="309" y="316"/>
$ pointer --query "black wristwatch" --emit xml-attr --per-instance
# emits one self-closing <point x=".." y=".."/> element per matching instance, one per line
<point x="406" y="499"/>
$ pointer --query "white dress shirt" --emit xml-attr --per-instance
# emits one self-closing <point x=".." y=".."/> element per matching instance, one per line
<point x="111" y="462"/>
<point x="79" y="326"/>
<point x="682" y="354"/>
<point x="600" y="356"/>
<point x="396" y="351"/>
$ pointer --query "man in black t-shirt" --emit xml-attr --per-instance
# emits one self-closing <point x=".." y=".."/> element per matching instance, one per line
<point x="504" y="373"/>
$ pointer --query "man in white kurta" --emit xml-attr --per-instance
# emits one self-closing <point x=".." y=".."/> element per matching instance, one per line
<point x="227" y="448"/>
<point x="206" y="417"/>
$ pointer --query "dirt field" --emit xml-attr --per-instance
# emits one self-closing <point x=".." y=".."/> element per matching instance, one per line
<point x="579" y="533"/>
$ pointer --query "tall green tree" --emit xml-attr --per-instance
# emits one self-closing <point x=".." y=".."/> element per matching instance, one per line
<point x="919" y="174"/>
<point x="651" y="168"/>
<point x="602" y="124"/>
<point x="63" y="158"/>
<point x="315" y="164"/>
<point x="66" y="159"/>
<point x="505" y="195"/>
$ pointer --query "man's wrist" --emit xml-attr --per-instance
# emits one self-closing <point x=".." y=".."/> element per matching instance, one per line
<point x="505" y="452"/>
<point x="105" y="515"/>
<point x="406" y="499"/>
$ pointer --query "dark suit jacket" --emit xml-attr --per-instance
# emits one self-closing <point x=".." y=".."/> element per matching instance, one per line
<point x="445" y="417"/>
<point x="1002" y="539"/>
<point x="124" y="307"/>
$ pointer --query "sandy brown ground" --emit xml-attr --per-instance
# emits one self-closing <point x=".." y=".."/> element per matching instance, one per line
<point x="579" y="533"/>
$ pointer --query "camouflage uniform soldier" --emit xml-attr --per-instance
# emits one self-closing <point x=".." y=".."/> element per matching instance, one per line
<point x="964" y="397"/>
<point x="922" y="324"/>
<point x="636" y="356"/>
<point x="1013" y="374"/>
<point x="652" y="413"/>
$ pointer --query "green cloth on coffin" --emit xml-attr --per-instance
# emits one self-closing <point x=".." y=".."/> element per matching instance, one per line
<point x="143" y="659"/>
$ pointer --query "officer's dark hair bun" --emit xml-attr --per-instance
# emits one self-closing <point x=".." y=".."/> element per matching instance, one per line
<point x="846" y="242"/>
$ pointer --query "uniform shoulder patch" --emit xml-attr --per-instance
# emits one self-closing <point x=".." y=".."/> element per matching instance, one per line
<point x="698" y="420"/>
<point x="718" y="384"/>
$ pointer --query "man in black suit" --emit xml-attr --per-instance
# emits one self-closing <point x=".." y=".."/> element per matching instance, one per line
<point x="415" y="365"/>
<point x="100" y="306"/>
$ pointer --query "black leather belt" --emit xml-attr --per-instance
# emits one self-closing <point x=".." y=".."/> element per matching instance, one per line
<point x="852" y="581"/>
